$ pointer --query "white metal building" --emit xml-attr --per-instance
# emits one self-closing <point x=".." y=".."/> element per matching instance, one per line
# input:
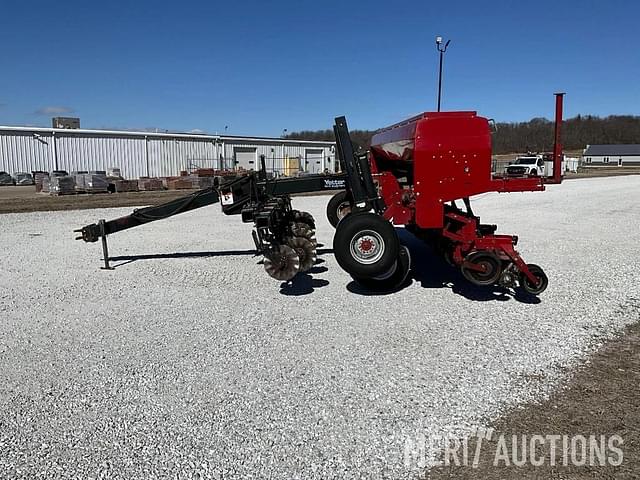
<point x="612" y="155"/>
<point x="27" y="149"/>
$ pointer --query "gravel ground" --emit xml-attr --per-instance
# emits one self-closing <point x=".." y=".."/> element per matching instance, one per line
<point x="190" y="362"/>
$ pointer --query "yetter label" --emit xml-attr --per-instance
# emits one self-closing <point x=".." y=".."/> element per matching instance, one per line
<point x="337" y="184"/>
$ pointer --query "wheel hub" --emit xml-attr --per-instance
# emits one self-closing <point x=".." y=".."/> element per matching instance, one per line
<point x="367" y="247"/>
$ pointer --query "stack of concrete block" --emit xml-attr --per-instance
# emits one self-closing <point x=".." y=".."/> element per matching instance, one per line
<point x="149" y="184"/>
<point x="63" y="185"/>
<point x="93" y="182"/>
<point x="205" y="172"/>
<point x="166" y="180"/>
<point x="126" y="185"/>
<point x="205" y="182"/>
<point x="40" y="178"/>
<point x="180" y="183"/>
<point x="79" y="176"/>
<point x="195" y="180"/>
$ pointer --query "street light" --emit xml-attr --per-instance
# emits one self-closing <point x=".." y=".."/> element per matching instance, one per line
<point x="441" y="49"/>
<point x="284" y="133"/>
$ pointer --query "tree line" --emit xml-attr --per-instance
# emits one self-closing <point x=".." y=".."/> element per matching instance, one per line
<point x="536" y="135"/>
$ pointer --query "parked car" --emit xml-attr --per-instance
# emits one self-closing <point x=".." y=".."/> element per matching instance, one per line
<point x="23" y="178"/>
<point x="6" y="179"/>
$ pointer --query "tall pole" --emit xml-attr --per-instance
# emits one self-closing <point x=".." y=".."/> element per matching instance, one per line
<point x="440" y="80"/>
<point x="441" y="48"/>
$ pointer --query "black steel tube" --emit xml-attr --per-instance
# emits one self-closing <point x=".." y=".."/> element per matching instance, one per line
<point x="311" y="183"/>
<point x="441" y="48"/>
<point x="105" y="249"/>
<point x="201" y="198"/>
<point x="345" y="150"/>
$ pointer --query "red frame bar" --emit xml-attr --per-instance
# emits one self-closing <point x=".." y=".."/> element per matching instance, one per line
<point x="557" y="143"/>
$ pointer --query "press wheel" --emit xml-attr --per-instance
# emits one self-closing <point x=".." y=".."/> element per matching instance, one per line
<point x="529" y="287"/>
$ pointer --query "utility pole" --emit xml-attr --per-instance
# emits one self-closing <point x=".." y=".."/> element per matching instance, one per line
<point x="441" y="48"/>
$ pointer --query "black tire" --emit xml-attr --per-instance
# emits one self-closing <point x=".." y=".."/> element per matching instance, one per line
<point x="394" y="279"/>
<point x="526" y="284"/>
<point x="489" y="276"/>
<point x="338" y="207"/>
<point x="365" y="245"/>
<point x="534" y="173"/>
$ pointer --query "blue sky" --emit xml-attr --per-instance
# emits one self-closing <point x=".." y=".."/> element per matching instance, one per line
<point x="260" y="67"/>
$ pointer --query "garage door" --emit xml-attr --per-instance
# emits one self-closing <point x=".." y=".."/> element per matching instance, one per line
<point x="313" y="160"/>
<point x="245" y="157"/>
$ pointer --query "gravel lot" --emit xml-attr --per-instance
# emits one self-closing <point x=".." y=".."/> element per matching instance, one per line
<point x="188" y="361"/>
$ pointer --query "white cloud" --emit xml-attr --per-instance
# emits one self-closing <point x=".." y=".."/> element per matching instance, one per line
<point x="53" y="110"/>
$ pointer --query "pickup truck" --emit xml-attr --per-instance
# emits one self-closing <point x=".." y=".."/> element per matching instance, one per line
<point x="531" y="165"/>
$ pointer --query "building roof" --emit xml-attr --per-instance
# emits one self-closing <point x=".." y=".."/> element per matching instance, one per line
<point x="613" y="150"/>
<point x="192" y="136"/>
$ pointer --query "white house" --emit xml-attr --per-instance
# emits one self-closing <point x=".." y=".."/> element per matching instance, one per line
<point x="612" y="155"/>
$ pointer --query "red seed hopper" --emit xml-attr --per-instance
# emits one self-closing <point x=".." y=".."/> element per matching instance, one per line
<point x="413" y="175"/>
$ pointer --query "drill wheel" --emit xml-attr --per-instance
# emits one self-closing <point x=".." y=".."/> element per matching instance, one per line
<point x="302" y="230"/>
<point x="306" y="251"/>
<point x="304" y="217"/>
<point x="282" y="263"/>
<point x="481" y="268"/>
